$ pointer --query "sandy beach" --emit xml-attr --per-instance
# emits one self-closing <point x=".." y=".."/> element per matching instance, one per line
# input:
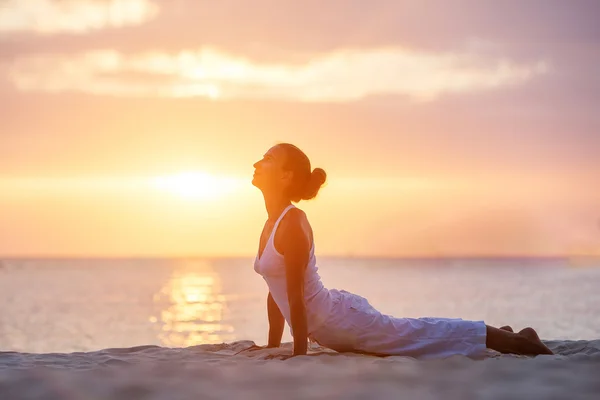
<point x="240" y="370"/>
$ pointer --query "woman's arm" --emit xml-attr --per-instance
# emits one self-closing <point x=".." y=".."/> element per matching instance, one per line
<point x="276" y="322"/>
<point x="296" y="250"/>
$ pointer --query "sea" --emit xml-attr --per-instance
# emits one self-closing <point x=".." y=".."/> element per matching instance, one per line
<point x="87" y="304"/>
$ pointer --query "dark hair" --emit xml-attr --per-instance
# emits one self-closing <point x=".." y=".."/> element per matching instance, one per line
<point x="305" y="184"/>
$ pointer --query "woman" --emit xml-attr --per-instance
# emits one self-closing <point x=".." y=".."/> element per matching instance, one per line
<point x="340" y="320"/>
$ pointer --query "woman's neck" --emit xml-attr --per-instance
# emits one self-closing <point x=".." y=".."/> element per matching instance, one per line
<point x="275" y="206"/>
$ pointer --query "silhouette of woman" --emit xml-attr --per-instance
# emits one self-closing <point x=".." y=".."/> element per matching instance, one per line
<point x="337" y="319"/>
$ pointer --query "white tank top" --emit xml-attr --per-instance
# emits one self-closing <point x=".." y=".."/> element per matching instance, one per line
<point x="271" y="266"/>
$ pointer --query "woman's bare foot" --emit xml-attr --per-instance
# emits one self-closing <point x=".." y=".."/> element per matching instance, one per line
<point x="533" y="337"/>
<point x="526" y="342"/>
<point x="529" y="333"/>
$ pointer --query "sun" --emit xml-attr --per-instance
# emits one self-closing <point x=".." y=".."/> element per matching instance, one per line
<point x="195" y="185"/>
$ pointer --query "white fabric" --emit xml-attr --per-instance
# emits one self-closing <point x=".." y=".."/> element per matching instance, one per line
<point x="344" y="321"/>
<point x="356" y="326"/>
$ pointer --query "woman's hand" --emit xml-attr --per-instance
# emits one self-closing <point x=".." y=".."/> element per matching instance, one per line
<point x="281" y="357"/>
<point x="255" y="347"/>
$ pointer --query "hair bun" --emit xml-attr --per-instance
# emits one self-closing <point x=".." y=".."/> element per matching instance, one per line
<point x="317" y="179"/>
<point x="319" y="176"/>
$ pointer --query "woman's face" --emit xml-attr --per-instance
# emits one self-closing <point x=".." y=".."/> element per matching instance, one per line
<point x="269" y="174"/>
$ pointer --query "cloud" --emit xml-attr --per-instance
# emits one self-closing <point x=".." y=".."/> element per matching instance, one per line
<point x="48" y="17"/>
<point x="340" y="76"/>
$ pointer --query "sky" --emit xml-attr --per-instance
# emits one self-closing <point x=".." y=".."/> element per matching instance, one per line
<point x="463" y="128"/>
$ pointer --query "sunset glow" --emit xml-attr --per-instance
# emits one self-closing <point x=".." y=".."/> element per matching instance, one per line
<point x="196" y="185"/>
<point x="130" y="127"/>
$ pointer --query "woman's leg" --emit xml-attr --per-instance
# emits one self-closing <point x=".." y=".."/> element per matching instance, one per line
<point x="526" y="342"/>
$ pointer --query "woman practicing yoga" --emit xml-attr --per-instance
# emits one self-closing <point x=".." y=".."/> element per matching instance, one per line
<point x="337" y="319"/>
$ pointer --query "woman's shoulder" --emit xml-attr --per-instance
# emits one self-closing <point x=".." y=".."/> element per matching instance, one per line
<point x="295" y="216"/>
<point x="295" y="222"/>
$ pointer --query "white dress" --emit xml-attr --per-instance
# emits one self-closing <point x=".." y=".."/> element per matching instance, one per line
<point x="346" y="322"/>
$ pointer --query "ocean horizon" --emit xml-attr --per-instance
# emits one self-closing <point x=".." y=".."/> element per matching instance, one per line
<point x="86" y="304"/>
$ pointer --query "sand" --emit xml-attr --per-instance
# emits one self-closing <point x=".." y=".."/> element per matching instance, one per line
<point x="239" y="370"/>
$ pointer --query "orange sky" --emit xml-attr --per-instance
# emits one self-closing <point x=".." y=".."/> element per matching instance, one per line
<point x="129" y="127"/>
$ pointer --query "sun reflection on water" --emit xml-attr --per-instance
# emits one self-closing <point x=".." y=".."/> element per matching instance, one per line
<point x="192" y="307"/>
